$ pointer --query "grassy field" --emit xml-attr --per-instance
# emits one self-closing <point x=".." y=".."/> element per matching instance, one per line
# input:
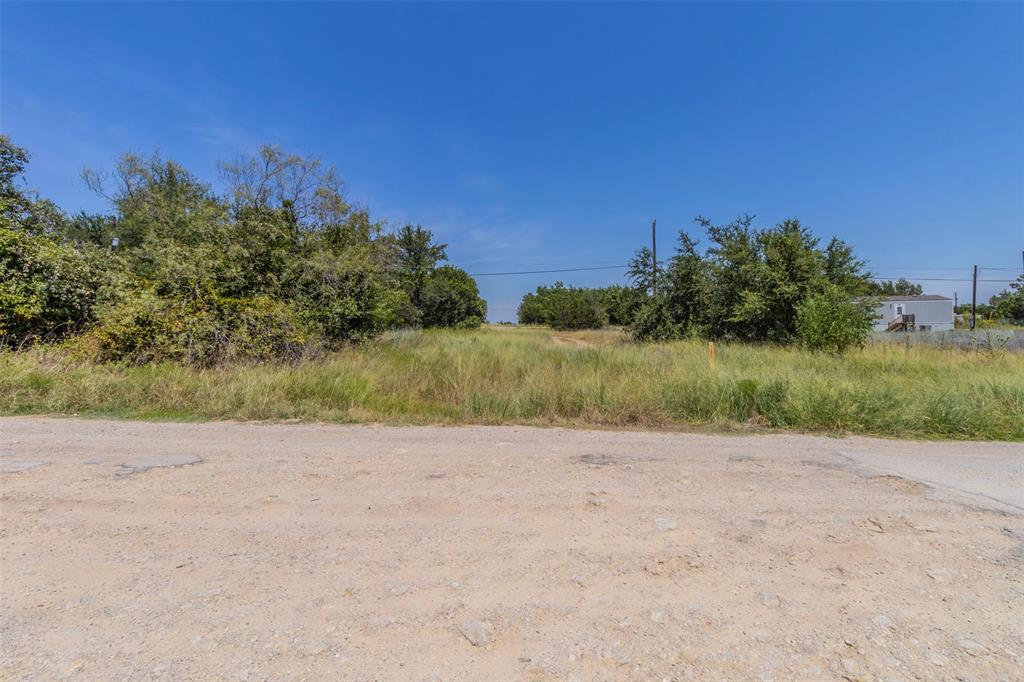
<point x="506" y="375"/>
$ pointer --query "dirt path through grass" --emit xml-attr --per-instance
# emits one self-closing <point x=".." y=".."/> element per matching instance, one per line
<point x="570" y="342"/>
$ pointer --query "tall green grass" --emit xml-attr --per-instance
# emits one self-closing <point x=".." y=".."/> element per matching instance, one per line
<point x="533" y="376"/>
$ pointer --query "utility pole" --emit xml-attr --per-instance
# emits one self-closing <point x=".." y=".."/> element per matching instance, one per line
<point x="974" y="296"/>
<point x="654" y="257"/>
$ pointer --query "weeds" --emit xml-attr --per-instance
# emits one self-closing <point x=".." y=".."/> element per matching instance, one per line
<point x="522" y="376"/>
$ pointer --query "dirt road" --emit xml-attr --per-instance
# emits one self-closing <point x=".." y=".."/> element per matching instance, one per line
<point x="328" y="552"/>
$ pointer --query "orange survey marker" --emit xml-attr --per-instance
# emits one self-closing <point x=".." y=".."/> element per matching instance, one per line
<point x="711" y="354"/>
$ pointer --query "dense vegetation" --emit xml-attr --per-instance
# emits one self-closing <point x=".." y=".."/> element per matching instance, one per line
<point x="521" y="375"/>
<point x="749" y="285"/>
<point x="162" y="307"/>
<point x="1006" y="306"/>
<point x="562" y="307"/>
<point x="275" y="265"/>
<point x="775" y="285"/>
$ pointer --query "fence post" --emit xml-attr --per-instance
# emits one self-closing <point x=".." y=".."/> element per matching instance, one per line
<point x="711" y="354"/>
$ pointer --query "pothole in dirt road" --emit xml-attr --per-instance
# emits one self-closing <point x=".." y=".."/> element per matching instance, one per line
<point x="596" y="460"/>
<point x="898" y="482"/>
<point x="8" y="466"/>
<point x="139" y="464"/>
<point x="627" y="460"/>
<point x="745" y="459"/>
<point x="822" y="464"/>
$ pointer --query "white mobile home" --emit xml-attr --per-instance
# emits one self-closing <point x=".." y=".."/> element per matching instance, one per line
<point x="914" y="313"/>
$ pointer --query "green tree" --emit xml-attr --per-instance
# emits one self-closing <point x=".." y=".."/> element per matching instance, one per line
<point x="641" y="270"/>
<point x="748" y="285"/>
<point x="418" y="256"/>
<point x="900" y="287"/>
<point x="620" y="303"/>
<point x="532" y="309"/>
<point x="734" y="270"/>
<point x="451" y="298"/>
<point x="654" y="321"/>
<point x="832" y="321"/>
<point x="845" y="270"/>
<point x="792" y="270"/>
<point x="310" y="192"/>
<point x="679" y="308"/>
<point x="91" y="229"/>
<point x="570" y="309"/>
<point x="757" y="278"/>
<point x="20" y="206"/>
<point x="1009" y="304"/>
<point x="343" y="294"/>
<point x="562" y="307"/>
<point x="47" y="290"/>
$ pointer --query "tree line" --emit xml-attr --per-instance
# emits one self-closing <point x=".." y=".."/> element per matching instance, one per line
<point x="775" y="284"/>
<point x="275" y="263"/>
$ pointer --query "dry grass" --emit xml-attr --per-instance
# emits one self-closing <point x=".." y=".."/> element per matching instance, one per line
<point x="522" y="376"/>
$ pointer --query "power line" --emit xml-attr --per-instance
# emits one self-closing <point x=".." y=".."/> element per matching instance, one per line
<point x="958" y="267"/>
<point x="942" y="279"/>
<point x="620" y="267"/>
<point x="542" y="272"/>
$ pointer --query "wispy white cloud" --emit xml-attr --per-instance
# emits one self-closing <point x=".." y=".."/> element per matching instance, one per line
<point x="482" y="183"/>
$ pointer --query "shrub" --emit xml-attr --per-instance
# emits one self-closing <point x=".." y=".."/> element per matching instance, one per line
<point x="200" y="332"/>
<point x="450" y="298"/>
<point x="532" y="309"/>
<point x="831" y="321"/>
<point x="343" y="294"/>
<point x="620" y="303"/>
<point x="47" y="291"/>
<point x="575" y="309"/>
<point x="275" y="266"/>
<point x="654" y="322"/>
<point x="563" y="307"/>
<point x="1008" y="305"/>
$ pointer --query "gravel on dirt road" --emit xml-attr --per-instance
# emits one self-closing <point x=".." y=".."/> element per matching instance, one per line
<point x="254" y="551"/>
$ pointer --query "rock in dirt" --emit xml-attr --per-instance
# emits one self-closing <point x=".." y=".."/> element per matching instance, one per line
<point x="883" y="621"/>
<point x="478" y="632"/>
<point x="969" y="646"/>
<point x="939" y="574"/>
<point x="664" y="524"/>
<point x="851" y="669"/>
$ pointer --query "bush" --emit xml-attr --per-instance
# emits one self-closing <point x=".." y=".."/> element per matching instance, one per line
<point x="47" y="291"/>
<point x="344" y="295"/>
<point x="532" y="310"/>
<point x="575" y="309"/>
<point x="276" y="265"/>
<point x="450" y="298"/>
<point x="1008" y="305"/>
<point x="831" y="321"/>
<point x="654" y="322"/>
<point x="620" y="303"/>
<point x="200" y="332"/>
<point x="563" y="307"/>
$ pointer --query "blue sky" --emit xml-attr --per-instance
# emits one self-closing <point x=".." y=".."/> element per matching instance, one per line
<point x="538" y="136"/>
